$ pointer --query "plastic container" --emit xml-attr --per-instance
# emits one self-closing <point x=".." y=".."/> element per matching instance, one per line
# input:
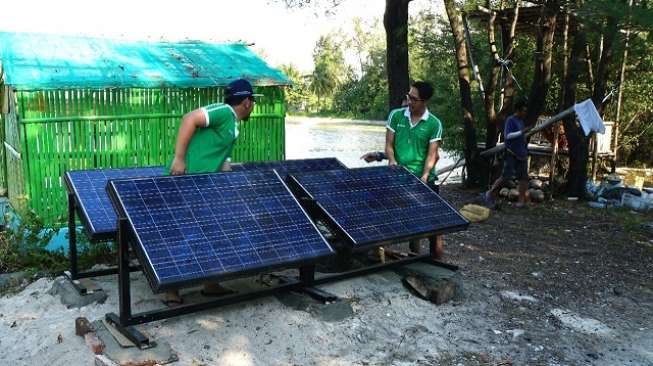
<point x="633" y="202"/>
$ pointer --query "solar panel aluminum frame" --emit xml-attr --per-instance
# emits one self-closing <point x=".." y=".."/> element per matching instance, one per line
<point x="75" y="207"/>
<point x="244" y="166"/>
<point x="313" y="205"/>
<point x="83" y="216"/>
<point x="158" y="287"/>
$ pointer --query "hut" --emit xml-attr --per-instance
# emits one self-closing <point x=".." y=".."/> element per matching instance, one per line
<point x="72" y="102"/>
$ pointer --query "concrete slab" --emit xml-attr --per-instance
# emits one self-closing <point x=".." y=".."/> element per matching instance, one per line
<point x="161" y="353"/>
<point x="73" y="299"/>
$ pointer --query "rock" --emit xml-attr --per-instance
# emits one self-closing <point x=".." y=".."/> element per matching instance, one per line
<point x="82" y="326"/>
<point x="618" y="291"/>
<point x="73" y="299"/>
<point x="536" y="195"/>
<point x="516" y="333"/>
<point x="504" y="192"/>
<point x="535" y="183"/>
<point x="432" y="283"/>
<point x="514" y="296"/>
<point x="513" y="194"/>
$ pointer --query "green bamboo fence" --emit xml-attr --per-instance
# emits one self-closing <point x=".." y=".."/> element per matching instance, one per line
<point x="53" y="131"/>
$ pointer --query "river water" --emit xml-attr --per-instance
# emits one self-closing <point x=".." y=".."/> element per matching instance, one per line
<point x="343" y="139"/>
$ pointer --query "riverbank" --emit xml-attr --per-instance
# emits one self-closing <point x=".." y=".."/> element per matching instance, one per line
<point x="553" y="284"/>
<point x="330" y="120"/>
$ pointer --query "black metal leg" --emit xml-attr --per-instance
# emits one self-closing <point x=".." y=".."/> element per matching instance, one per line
<point x="124" y="291"/>
<point x="72" y="237"/>
<point x="122" y="322"/>
<point x="307" y="275"/>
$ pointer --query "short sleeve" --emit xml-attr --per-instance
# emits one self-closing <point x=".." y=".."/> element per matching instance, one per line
<point x="437" y="132"/>
<point x="216" y="113"/>
<point x="392" y="121"/>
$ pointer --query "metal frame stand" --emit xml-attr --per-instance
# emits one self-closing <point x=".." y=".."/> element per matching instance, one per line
<point x="73" y="274"/>
<point x="125" y="321"/>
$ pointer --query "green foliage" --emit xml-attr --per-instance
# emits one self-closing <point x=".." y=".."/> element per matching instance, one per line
<point x="297" y="95"/>
<point x="22" y="245"/>
<point x="330" y="69"/>
<point x="360" y="91"/>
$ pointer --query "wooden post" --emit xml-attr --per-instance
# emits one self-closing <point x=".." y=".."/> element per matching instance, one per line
<point x="554" y="158"/>
<point x="595" y="155"/>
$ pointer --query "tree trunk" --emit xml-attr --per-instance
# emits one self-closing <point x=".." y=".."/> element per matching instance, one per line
<point x="578" y="143"/>
<point x="492" y="81"/>
<point x="395" y="21"/>
<point x="602" y="70"/>
<point x="565" y="57"/>
<point x="508" y="50"/>
<point x="471" y="153"/>
<point x="543" y="56"/>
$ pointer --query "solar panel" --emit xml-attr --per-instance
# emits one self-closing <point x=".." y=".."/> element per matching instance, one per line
<point x="377" y="204"/>
<point x="89" y="187"/>
<point x="196" y="227"/>
<point x="284" y="167"/>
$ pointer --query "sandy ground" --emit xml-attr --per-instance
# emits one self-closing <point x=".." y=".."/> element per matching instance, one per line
<point x="555" y="284"/>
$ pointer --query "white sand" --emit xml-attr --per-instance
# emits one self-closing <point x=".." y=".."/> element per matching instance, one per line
<point x="389" y="327"/>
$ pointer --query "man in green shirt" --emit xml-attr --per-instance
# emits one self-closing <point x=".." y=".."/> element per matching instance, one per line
<point x="413" y="136"/>
<point x="207" y="135"/>
<point x="204" y="145"/>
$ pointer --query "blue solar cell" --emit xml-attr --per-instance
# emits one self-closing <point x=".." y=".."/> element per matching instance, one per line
<point x="380" y="203"/>
<point x="195" y="227"/>
<point x="284" y="167"/>
<point x="89" y="188"/>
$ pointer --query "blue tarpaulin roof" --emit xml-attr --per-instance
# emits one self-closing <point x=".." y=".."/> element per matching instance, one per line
<point x="44" y="61"/>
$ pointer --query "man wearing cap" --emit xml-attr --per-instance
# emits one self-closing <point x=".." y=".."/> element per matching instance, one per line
<point x="204" y="144"/>
<point x="207" y="135"/>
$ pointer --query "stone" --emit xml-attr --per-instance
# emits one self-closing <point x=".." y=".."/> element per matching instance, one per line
<point x="504" y="192"/>
<point x="73" y="299"/>
<point x="535" y="183"/>
<point x="433" y="283"/>
<point x="82" y="326"/>
<point x="513" y="194"/>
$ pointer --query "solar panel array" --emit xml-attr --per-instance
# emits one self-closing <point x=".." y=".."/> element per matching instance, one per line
<point x="285" y="167"/>
<point x="194" y="227"/>
<point x="89" y="188"/>
<point x="379" y="203"/>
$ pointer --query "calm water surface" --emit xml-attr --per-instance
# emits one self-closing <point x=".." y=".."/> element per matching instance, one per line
<point x="345" y="140"/>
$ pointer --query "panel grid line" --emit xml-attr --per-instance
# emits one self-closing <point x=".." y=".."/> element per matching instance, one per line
<point x="379" y="203"/>
<point x="195" y="227"/>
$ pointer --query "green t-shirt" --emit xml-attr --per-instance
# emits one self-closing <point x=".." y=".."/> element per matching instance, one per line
<point x="211" y="146"/>
<point x="412" y="142"/>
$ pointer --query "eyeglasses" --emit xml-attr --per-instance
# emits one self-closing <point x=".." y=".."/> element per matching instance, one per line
<point x="413" y="98"/>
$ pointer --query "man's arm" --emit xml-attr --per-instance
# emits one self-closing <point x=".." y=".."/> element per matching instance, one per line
<point x="190" y="121"/>
<point x="390" y="147"/>
<point x="431" y="159"/>
<point x="374" y="156"/>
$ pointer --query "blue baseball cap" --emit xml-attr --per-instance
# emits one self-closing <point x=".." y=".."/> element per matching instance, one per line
<point x="240" y="88"/>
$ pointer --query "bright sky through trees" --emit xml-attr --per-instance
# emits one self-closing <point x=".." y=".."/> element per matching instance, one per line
<point x="284" y="36"/>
